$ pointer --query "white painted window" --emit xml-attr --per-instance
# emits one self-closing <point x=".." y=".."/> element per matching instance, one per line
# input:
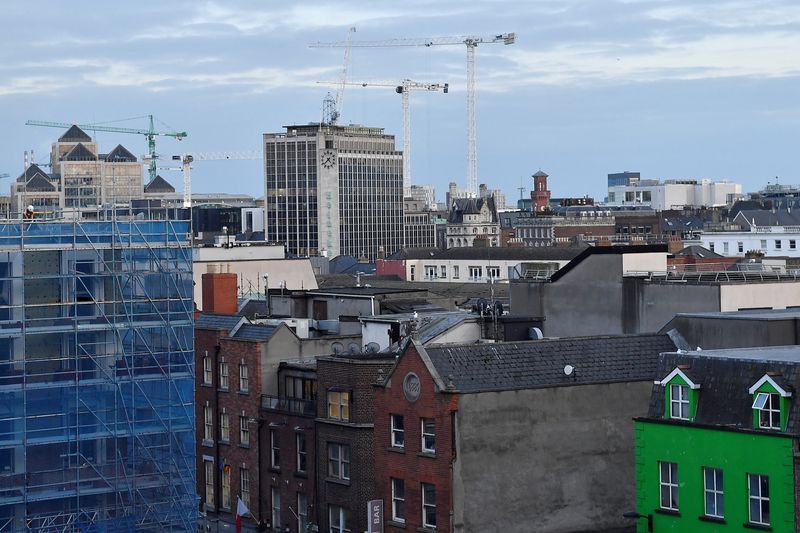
<point x="337" y="518"/>
<point x="428" y="506"/>
<point x="428" y="433"/>
<point x="777" y="244"/>
<point x="455" y="271"/>
<point x="276" y="509"/>
<point x="224" y="426"/>
<point x="244" y="377"/>
<point x="475" y="272"/>
<point x="398" y="431"/>
<point x="302" y="452"/>
<point x="493" y="272"/>
<point x="679" y="402"/>
<point x="714" y="496"/>
<point x="398" y="500"/>
<point x="209" y="470"/>
<point x="339" y="405"/>
<point x="244" y="431"/>
<point x="302" y="513"/>
<point x="338" y="460"/>
<point x="769" y="410"/>
<point x="668" y="480"/>
<point x="208" y="373"/>
<point x="208" y="423"/>
<point x="758" y="492"/>
<point x="223" y="375"/>
<point x="275" y="449"/>
<point x="244" y="485"/>
<point x="226" y="487"/>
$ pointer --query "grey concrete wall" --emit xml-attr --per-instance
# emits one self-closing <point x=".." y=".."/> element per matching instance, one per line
<point x="718" y="333"/>
<point x="658" y="303"/>
<point x="551" y="460"/>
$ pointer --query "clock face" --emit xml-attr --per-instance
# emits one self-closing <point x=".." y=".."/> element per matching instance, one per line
<point x="328" y="158"/>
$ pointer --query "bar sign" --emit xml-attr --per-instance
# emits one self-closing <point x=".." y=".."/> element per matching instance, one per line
<point x="375" y="516"/>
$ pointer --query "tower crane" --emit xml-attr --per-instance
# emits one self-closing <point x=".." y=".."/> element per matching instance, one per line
<point x="149" y="133"/>
<point x="334" y="112"/>
<point x="186" y="161"/>
<point x="471" y="42"/>
<point x="404" y="89"/>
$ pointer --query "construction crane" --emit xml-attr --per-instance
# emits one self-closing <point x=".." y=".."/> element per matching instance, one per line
<point x="332" y="113"/>
<point x="186" y="161"/>
<point x="150" y="133"/>
<point x="404" y="89"/>
<point x="471" y="42"/>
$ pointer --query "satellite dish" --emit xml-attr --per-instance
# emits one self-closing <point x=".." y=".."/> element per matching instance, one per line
<point x="568" y="370"/>
<point x="372" y="347"/>
<point x="337" y="347"/>
<point x="353" y="348"/>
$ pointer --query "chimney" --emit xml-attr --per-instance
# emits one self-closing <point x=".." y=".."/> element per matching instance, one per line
<point x="219" y="293"/>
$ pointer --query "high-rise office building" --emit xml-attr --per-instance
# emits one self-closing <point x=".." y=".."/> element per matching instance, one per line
<point x="96" y="377"/>
<point x="335" y="190"/>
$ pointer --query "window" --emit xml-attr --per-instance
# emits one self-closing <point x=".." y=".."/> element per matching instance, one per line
<point x="740" y="246"/>
<point x="428" y="506"/>
<point x="244" y="485"/>
<point x="223" y="375"/>
<point x="275" y="449"/>
<point x="208" y="374"/>
<point x="302" y="452"/>
<point x="224" y="426"/>
<point x="493" y="272"/>
<point x="679" y="402"/>
<point x="430" y="271"/>
<point x="725" y="247"/>
<point x="226" y="487"/>
<point x="668" y="477"/>
<point x="711" y="245"/>
<point x="475" y="272"/>
<point x="244" y="431"/>
<point x="763" y="244"/>
<point x="758" y="492"/>
<point x="398" y="500"/>
<point x="398" y="433"/>
<point x="244" y="378"/>
<point x="455" y="271"/>
<point x="305" y="389"/>
<point x="777" y="245"/>
<point x="208" y="423"/>
<point x="428" y="444"/>
<point x="302" y="513"/>
<point x="443" y="271"/>
<point x="768" y="406"/>
<point x="337" y="517"/>
<point x="412" y="272"/>
<point x="276" y="509"/>
<point x="338" y="461"/>
<point x="715" y="503"/>
<point x="792" y="244"/>
<point x="209" y="469"/>
<point x="339" y="405"/>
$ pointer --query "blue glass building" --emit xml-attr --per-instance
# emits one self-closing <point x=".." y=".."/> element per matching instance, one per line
<point x="96" y="377"/>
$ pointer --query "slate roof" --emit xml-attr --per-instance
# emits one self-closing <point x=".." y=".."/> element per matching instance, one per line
<point x="762" y="217"/>
<point x="120" y="154"/>
<point x="254" y="332"/>
<point x="217" y="322"/>
<point x="697" y="251"/>
<point x="540" y="174"/>
<point x="158" y="184"/>
<point x="725" y="377"/>
<point x="30" y="172"/>
<point x="79" y="153"/>
<point x="39" y="183"/>
<point x="410" y="305"/>
<point x="540" y="364"/>
<point x="470" y="206"/>
<point x="252" y="307"/>
<point x="75" y="134"/>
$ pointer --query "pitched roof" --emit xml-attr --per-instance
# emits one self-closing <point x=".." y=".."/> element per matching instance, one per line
<point x="120" y="154"/>
<point x="217" y="322"/>
<point x="30" y="172"/>
<point x="158" y="184"/>
<point x="725" y="377"/>
<point x="696" y="250"/>
<point x="470" y="206"/>
<point x="75" y="134"/>
<point x="540" y="364"/>
<point x="38" y="183"/>
<point x="254" y="332"/>
<point x="494" y="253"/>
<point x="79" y="153"/>
<point x="762" y="217"/>
<point x="540" y="174"/>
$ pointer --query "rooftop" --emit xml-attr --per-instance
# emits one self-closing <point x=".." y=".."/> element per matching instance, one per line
<point x="498" y="254"/>
<point x="760" y="314"/>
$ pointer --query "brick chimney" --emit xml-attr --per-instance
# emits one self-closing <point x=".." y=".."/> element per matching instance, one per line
<point x="219" y="293"/>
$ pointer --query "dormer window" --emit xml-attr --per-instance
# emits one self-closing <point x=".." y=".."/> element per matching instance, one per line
<point x="770" y="404"/>
<point x="681" y="395"/>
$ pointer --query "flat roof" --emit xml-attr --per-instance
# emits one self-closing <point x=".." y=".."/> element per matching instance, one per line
<point x="784" y="354"/>
<point x="752" y="314"/>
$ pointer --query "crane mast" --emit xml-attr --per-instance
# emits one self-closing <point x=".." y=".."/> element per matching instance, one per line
<point x="471" y="43"/>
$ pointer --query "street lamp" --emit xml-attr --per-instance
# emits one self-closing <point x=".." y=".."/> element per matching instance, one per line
<point x="636" y="516"/>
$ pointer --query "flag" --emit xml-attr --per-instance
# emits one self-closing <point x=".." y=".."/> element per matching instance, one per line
<point x="241" y="510"/>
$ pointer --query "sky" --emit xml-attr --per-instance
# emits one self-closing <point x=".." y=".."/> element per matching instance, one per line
<point x="674" y="89"/>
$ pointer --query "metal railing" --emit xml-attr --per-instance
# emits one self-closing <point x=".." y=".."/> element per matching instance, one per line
<point x="289" y="405"/>
<point x="721" y="272"/>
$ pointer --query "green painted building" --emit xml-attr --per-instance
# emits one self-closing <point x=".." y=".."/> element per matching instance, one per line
<point x="717" y="451"/>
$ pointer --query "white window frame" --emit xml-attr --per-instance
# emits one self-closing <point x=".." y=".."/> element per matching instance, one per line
<point x="244" y="430"/>
<point x="397" y="434"/>
<point x="792" y="244"/>
<point x="398" y="500"/>
<point x="302" y="512"/>
<point x="208" y="372"/>
<point x="740" y="246"/>
<point x="493" y="272"/>
<point x="339" y="405"/>
<point x="244" y="377"/>
<point x="758" y="498"/>
<point x="224" y="382"/>
<point x="423" y="435"/>
<point x="208" y="423"/>
<point x="476" y="273"/>
<point x="715" y="492"/>
<point x="274" y="449"/>
<point x="670" y="484"/>
<point x="778" y="244"/>
<point x="209" y="482"/>
<point x="226" y="487"/>
<point x="302" y="452"/>
<point x="275" y="502"/>
<point x="764" y="403"/>
<point x="244" y="485"/>
<point x="443" y="271"/>
<point x="337" y="518"/>
<point x="455" y="271"/>
<point x="430" y="271"/>
<point x="224" y="427"/>
<point x="338" y="463"/>
<point x="679" y="402"/>
<point x="426" y="506"/>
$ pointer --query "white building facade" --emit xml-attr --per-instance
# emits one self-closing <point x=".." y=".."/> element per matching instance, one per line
<point x="672" y="194"/>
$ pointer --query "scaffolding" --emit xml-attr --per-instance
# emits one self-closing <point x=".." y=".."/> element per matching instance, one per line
<point x="96" y="377"/>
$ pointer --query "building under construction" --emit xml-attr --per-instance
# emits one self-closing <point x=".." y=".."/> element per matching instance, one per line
<point x="96" y="377"/>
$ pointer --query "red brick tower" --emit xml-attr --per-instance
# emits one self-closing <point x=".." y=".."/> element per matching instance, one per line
<point x="540" y="194"/>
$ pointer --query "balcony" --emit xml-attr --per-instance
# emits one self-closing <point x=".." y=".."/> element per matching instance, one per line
<point x="294" y="406"/>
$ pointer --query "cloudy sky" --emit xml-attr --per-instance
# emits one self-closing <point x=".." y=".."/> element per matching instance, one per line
<point x="670" y="88"/>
